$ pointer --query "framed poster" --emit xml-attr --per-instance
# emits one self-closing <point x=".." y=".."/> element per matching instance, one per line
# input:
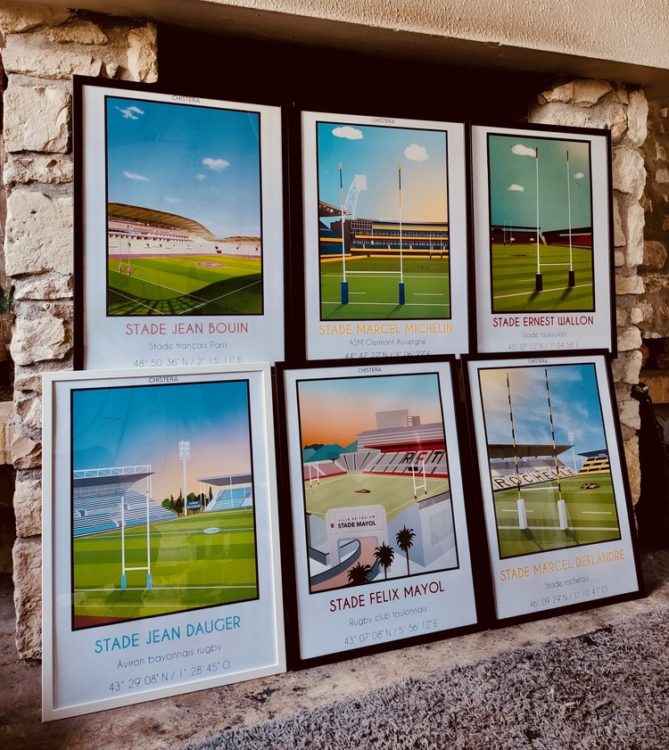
<point x="160" y="542"/>
<point x="385" y="245"/>
<point x="553" y="480"/>
<point x="543" y="239"/>
<point x="178" y="229"/>
<point x="381" y="554"/>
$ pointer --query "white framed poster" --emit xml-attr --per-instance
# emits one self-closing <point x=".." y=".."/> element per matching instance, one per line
<point x="553" y="480"/>
<point x="381" y="551"/>
<point x="543" y="248"/>
<point x="178" y="229"/>
<point x="161" y="570"/>
<point x="385" y="236"/>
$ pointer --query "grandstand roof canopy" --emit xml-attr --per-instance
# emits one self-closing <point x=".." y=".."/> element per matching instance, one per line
<point x="105" y="481"/>
<point x="156" y="218"/>
<point x="527" y="450"/>
<point x="327" y="209"/>
<point x="224" y="480"/>
<point x="592" y="454"/>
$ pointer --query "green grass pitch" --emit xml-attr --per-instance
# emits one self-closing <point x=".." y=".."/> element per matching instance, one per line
<point x="513" y="279"/>
<point x="190" y="569"/>
<point x="373" y="289"/>
<point x="394" y="493"/>
<point x="186" y="284"/>
<point x="591" y="515"/>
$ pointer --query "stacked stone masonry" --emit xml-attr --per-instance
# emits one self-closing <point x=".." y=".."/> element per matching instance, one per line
<point x="599" y="104"/>
<point x="41" y="48"/>
<point x="655" y="268"/>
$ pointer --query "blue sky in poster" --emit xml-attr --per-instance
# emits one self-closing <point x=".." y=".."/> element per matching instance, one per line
<point x="376" y="152"/>
<point x="574" y="400"/>
<point x="130" y="426"/>
<point x="513" y="182"/>
<point x="199" y="162"/>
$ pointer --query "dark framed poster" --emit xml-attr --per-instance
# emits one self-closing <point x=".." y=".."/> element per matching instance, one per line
<point x="381" y="553"/>
<point x="543" y="239"/>
<point x="178" y="229"/>
<point x="160" y="541"/>
<point x="385" y="246"/>
<point x="553" y="480"/>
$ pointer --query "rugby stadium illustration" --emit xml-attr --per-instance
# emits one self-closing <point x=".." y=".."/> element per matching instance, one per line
<point x="383" y="230"/>
<point x="173" y="534"/>
<point x="551" y="487"/>
<point x="541" y="236"/>
<point x="183" y="210"/>
<point x="375" y="480"/>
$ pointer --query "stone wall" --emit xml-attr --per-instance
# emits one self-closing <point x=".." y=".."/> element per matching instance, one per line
<point x="655" y="269"/>
<point x="42" y="48"/>
<point x="599" y="104"/>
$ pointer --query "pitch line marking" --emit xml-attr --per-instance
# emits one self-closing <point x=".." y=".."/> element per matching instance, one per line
<point x="556" y="289"/>
<point x="227" y="294"/>
<point x="393" y="303"/>
<point x="430" y="294"/>
<point x="170" y="588"/>
<point x="557" y="528"/>
<point x="596" y="512"/>
<point x="388" y="273"/>
<point x="160" y="286"/>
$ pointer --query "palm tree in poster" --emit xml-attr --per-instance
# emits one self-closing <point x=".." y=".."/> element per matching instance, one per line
<point x="404" y="539"/>
<point x="358" y="574"/>
<point x="385" y="555"/>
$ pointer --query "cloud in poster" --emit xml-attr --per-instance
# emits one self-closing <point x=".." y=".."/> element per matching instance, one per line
<point x="346" y="131"/>
<point x="170" y="199"/>
<point x="134" y="176"/>
<point x="515" y="188"/>
<point x="520" y="150"/>
<point x="579" y="176"/>
<point x="414" y="152"/>
<point x="200" y="177"/>
<point x="130" y="113"/>
<point x="215" y="165"/>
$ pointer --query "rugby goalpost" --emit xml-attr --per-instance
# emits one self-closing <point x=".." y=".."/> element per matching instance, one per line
<point x="571" y="278"/>
<point x="361" y="184"/>
<point x="125" y="568"/>
<point x="418" y="470"/>
<point x="563" y="523"/>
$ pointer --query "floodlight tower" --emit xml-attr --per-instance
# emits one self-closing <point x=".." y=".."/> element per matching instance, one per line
<point x="184" y="457"/>
<point x="358" y="185"/>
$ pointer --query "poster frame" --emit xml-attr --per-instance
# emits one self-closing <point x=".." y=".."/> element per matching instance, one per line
<point x="470" y="519"/>
<point x="450" y="335"/>
<point x="601" y="361"/>
<point x="255" y="337"/>
<point x="60" y="637"/>
<point x="602" y="332"/>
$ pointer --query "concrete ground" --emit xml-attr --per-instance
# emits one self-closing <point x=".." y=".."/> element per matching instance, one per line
<point x="169" y="723"/>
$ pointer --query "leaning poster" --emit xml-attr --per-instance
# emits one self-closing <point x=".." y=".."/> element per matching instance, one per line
<point x="160" y="542"/>
<point x="381" y="550"/>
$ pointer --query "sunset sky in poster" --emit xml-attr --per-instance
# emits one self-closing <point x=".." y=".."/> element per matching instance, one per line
<point x="376" y="152"/>
<point x="335" y="411"/>
<point x="143" y="425"/>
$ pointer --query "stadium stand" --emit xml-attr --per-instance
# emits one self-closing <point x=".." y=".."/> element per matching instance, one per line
<point x="138" y="231"/>
<point x="581" y="237"/>
<point x="595" y="462"/>
<point x="97" y="498"/>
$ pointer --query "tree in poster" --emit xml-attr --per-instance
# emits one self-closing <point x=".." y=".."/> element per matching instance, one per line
<point x="385" y="555"/>
<point x="404" y="539"/>
<point x="359" y="574"/>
